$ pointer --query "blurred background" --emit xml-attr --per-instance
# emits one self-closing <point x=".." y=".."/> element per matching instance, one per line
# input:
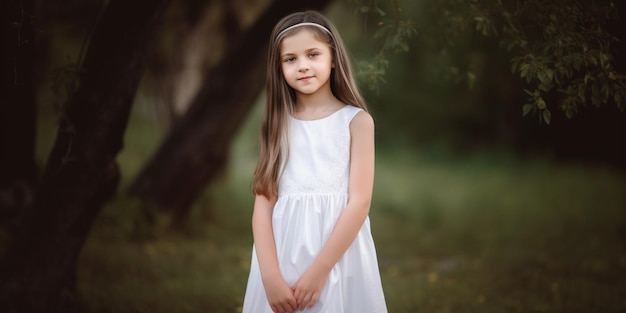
<point x="130" y="135"/>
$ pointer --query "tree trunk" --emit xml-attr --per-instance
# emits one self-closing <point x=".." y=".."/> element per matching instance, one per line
<point x="196" y="150"/>
<point x="38" y="268"/>
<point x="18" y="172"/>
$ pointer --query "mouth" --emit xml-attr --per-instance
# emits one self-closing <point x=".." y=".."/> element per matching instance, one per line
<point x="305" y="78"/>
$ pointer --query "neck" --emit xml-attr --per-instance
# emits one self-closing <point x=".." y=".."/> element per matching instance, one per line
<point x="316" y="105"/>
<point x="316" y="100"/>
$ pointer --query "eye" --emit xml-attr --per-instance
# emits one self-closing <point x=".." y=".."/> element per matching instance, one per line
<point x="313" y="54"/>
<point x="289" y="59"/>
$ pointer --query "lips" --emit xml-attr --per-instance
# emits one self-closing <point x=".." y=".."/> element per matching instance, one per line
<point x="305" y="78"/>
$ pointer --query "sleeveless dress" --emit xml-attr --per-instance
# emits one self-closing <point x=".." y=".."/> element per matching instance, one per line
<point x="313" y="190"/>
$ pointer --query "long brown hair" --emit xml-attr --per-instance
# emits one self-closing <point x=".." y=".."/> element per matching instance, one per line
<point x="280" y="98"/>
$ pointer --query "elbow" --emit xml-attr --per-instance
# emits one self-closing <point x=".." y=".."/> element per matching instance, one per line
<point x="366" y="207"/>
<point x="361" y="207"/>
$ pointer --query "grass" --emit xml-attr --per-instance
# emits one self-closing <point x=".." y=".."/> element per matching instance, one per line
<point x="473" y="234"/>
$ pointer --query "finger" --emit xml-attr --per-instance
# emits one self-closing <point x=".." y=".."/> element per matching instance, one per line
<point x="299" y="299"/>
<point x="284" y="308"/>
<point x="293" y="304"/>
<point x="313" y="300"/>
<point x="304" y="299"/>
<point x="297" y="294"/>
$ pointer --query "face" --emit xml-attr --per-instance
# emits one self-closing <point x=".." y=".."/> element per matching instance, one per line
<point x="306" y="62"/>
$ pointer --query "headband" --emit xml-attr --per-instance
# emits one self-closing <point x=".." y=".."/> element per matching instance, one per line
<point x="304" y="24"/>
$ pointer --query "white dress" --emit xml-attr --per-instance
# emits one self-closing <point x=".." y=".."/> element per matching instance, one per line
<point x="313" y="191"/>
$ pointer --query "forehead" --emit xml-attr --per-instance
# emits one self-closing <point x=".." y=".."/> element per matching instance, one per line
<point x="301" y="40"/>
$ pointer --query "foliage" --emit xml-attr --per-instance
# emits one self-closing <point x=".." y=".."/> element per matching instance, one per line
<point x="562" y="49"/>
<point x="560" y="46"/>
<point x="395" y="31"/>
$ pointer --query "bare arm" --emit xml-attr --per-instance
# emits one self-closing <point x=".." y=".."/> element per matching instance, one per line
<point x="264" y="236"/>
<point x="350" y="221"/>
<point x="279" y="294"/>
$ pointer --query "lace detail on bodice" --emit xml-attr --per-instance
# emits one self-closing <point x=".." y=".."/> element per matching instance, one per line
<point x="319" y="155"/>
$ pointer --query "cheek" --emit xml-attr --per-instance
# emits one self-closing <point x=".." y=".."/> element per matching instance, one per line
<point x="285" y="69"/>
<point x="287" y="75"/>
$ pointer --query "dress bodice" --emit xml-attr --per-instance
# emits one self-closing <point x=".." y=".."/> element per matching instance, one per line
<point x="318" y="159"/>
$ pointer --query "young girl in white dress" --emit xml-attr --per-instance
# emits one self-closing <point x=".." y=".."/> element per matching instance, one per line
<point x="313" y="248"/>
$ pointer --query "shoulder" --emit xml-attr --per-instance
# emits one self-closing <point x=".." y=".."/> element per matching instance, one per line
<point x="362" y="126"/>
<point x="362" y="134"/>
<point x="362" y="120"/>
<point x="356" y="114"/>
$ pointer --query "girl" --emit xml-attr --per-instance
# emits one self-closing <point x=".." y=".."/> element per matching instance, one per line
<point x="313" y="248"/>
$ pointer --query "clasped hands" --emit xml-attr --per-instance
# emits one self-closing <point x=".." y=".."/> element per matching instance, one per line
<point x="301" y="296"/>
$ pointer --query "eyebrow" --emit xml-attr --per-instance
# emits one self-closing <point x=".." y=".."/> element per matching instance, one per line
<point x="306" y="51"/>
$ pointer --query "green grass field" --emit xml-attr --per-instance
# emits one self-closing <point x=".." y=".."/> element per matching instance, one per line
<point x="468" y="234"/>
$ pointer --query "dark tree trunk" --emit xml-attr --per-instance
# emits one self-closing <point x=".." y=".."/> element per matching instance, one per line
<point x="18" y="172"/>
<point x="38" y="268"/>
<point x="196" y="150"/>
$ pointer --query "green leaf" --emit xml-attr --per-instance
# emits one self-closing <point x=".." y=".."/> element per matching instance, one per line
<point x="471" y="80"/>
<point x="549" y="74"/>
<point x="545" y="86"/>
<point x="619" y="101"/>
<point x="547" y="116"/>
<point x="510" y="46"/>
<point x="581" y="93"/>
<point x="524" y="70"/>
<point x="527" y="108"/>
<point x="515" y="64"/>
<point x="541" y="104"/>
<point x="382" y="31"/>
<point x="596" y="96"/>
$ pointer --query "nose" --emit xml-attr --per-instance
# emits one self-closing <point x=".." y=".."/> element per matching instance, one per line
<point x="303" y="65"/>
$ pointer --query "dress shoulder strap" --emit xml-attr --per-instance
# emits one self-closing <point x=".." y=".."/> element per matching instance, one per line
<point x="349" y="112"/>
